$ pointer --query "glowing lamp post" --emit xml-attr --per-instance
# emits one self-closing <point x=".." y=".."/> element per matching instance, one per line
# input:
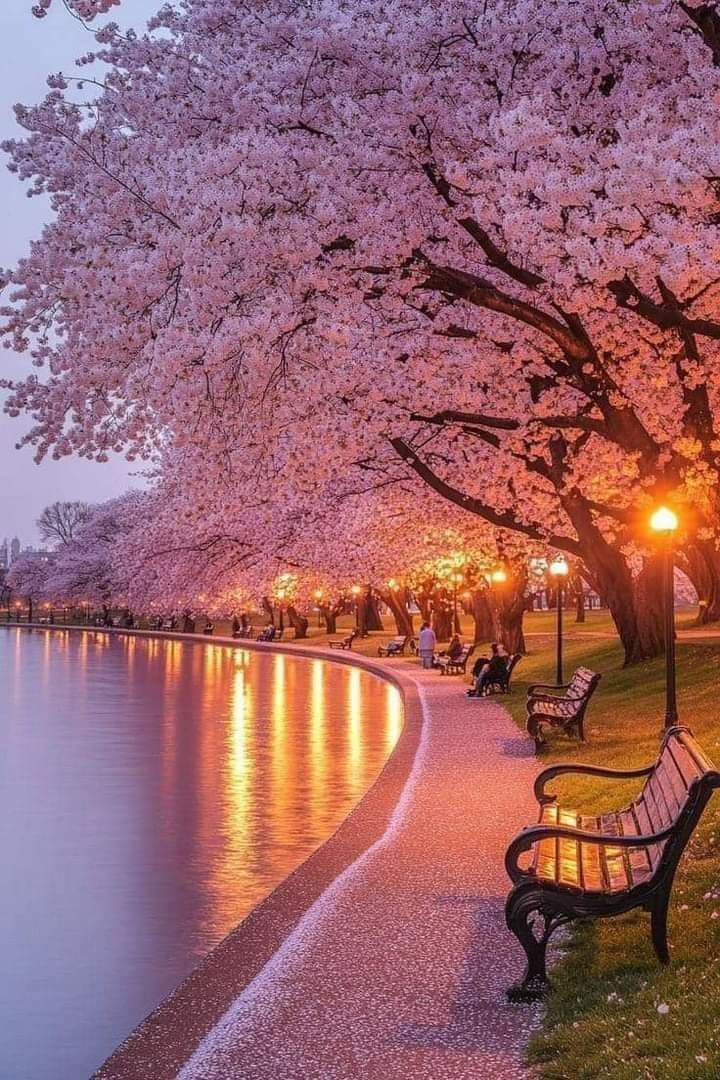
<point x="318" y="594"/>
<point x="664" y="522"/>
<point x="498" y="577"/>
<point x="356" y="590"/>
<point x="559" y="571"/>
<point x="457" y="579"/>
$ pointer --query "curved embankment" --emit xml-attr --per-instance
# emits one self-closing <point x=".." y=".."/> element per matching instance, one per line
<point x="385" y="955"/>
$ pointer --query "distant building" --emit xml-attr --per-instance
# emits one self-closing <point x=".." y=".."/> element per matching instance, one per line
<point x="4" y="555"/>
<point x="14" y="549"/>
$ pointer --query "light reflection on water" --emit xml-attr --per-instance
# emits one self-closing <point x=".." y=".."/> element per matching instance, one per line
<point x="151" y="793"/>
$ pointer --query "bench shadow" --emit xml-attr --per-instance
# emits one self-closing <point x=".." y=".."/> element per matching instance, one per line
<point x="479" y="1017"/>
<point x="520" y="746"/>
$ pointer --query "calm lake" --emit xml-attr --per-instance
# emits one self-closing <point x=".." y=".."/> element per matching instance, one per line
<point x="151" y="793"/>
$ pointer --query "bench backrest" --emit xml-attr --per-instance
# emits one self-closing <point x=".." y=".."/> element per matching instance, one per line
<point x="583" y="680"/>
<point x="399" y="640"/>
<point x="675" y="794"/>
<point x="512" y="661"/>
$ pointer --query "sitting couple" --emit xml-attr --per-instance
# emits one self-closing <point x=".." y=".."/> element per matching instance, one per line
<point x="489" y="670"/>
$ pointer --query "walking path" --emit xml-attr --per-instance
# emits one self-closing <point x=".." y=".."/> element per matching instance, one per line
<point x="399" y="969"/>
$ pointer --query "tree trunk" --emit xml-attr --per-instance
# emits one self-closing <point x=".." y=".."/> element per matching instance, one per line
<point x="635" y="604"/>
<point x="508" y="607"/>
<point x="423" y="602"/>
<point x="329" y="616"/>
<point x="372" y="613"/>
<point x="576" y="591"/>
<point x="481" y="612"/>
<point x="268" y="609"/>
<point x="701" y="562"/>
<point x="396" y="601"/>
<point x="299" y="622"/>
<point x="442" y="621"/>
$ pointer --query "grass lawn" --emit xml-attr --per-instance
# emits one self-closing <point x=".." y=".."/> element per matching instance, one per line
<point x="603" y="1018"/>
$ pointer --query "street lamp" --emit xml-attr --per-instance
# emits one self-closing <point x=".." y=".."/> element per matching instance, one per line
<point x="318" y="594"/>
<point x="664" y="522"/>
<point x="498" y="577"/>
<point x="559" y="570"/>
<point x="356" y="590"/>
<point x="456" y="580"/>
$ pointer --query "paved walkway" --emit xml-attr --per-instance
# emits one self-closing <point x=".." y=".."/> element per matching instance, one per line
<point x="399" y="969"/>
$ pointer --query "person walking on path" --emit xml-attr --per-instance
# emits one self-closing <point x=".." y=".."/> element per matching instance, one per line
<point x="426" y="645"/>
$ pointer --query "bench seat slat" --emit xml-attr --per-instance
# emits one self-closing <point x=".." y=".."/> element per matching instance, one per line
<point x="591" y="868"/>
<point x="569" y="853"/>
<point x="580" y="866"/>
<point x="639" y="859"/>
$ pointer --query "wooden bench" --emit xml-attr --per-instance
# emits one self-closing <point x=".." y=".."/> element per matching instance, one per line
<point x="344" y="643"/>
<point x="394" y="647"/>
<point x="594" y="866"/>
<point x="561" y="706"/>
<point x="502" y="685"/>
<point x="459" y="664"/>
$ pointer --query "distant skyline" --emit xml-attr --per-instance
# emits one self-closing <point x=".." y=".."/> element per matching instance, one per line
<point x="29" y="50"/>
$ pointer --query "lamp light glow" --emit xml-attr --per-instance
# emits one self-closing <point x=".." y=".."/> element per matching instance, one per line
<point x="663" y="520"/>
<point x="559" y="567"/>
<point x="498" y="576"/>
<point x="355" y="590"/>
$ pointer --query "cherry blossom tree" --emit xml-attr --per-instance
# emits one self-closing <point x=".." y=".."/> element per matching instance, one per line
<point x="28" y="578"/>
<point x="83" y="9"/>
<point x="473" y="247"/>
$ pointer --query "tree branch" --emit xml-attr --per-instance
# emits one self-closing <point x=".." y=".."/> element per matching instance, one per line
<point x="503" y="519"/>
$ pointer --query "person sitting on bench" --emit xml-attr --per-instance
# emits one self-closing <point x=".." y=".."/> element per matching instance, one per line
<point x="452" y="652"/>
<point x="489" y="669"/>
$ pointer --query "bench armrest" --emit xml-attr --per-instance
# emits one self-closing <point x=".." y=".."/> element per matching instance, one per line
<point x="589" y="770"/>
<point x="535" y="833"/>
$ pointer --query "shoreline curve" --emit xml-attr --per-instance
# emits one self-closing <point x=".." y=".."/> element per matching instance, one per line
<point x="167" y="1038"/>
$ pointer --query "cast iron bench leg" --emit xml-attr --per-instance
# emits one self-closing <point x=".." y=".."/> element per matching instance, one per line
<point x="658" y="925"/>
<point x="522" y="909"/>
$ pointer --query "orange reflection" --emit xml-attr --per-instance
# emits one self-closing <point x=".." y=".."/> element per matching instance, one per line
<point x="354" y="731"/>
<point x="318" y="739"/>
<point x="395" y="715"/>
<point x="262" y="758"/>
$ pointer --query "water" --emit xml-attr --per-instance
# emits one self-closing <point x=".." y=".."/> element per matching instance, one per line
<point x="151" y="793"/>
